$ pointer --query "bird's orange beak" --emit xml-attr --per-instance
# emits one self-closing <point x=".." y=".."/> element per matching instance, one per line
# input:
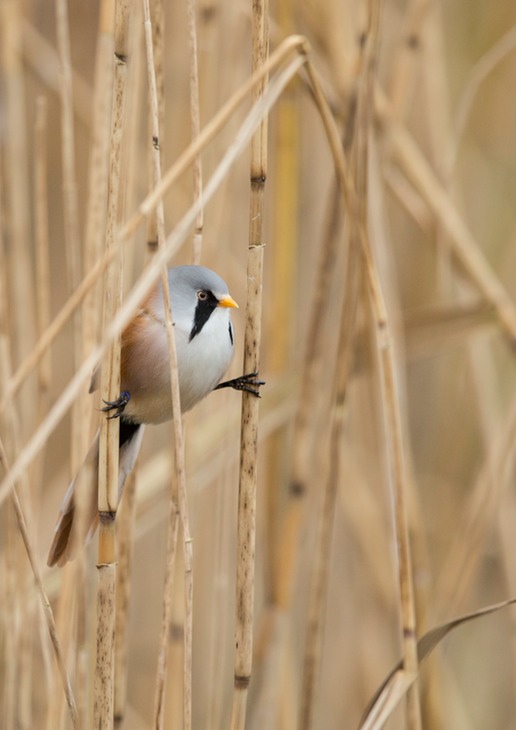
<point x="227" y="301"/>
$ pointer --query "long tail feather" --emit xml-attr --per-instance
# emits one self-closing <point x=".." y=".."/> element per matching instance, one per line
<point x="65" y="539"/>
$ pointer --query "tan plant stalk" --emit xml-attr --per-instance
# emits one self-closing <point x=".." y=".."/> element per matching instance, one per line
<point x="319" y="588"/>
<point x="148" y="277"/>
<point x="462" y="244"/>
<point x="246" y="530"/>
<point x="98" y="174"/>
<point x="178" y="497"/>
<point x="17" y="200"/>
<point x="43" y="59"/>
<point x="123" y="591"/>
<point x="358" y="220"/>
<point x="10" y="426"/>
<point x="196" y="125"/>
<point x="70" y="207"/>
<point x="42" y="243"/>
<point x="283" y="285"/>
<point x="390" y="402"/>
<point x="110" y="390"/>
<point x="406" y="60"/>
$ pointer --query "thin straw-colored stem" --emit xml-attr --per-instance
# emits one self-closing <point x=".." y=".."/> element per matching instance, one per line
<point x="110" y="389"/>
<point x="246" y="531"/>
<point x="45" y="603"/>
<point x="98" y="165"/>
<point x="196" y="125"/>
<point x="318" y="594"/>
<point x="16" y="168"/>
<point x="41" y="233"/>
<point x="70" y="207"/>
<point x="463" y="246"/>
<point x="178" y="492"/>
<point x="9" y="423"/>
<point x="390" y="401"/>
<point x="123" y="592"/>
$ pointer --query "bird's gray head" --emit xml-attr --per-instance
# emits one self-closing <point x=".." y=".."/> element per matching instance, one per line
<point x="196" y="292"/>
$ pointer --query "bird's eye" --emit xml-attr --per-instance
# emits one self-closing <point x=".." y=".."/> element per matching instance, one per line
<point x="202" y="296"/>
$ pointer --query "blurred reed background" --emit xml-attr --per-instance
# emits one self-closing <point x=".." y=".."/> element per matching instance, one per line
<point x="388" y="337"/>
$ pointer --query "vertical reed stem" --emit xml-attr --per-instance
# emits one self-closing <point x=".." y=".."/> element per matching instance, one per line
<point x="246" y="536"/>
<point x="178" y="497"/>
<point x="196" y="126"/>
<point x="110" y="388"/>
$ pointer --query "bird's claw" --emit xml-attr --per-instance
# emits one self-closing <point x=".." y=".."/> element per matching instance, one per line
<point x="247" y="383"/>
<point x="117" y="405"/>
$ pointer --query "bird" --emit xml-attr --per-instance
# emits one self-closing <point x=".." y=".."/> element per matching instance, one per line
<point x="204" y="337"/>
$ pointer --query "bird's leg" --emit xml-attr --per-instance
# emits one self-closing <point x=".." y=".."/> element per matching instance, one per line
<point x="248" y="382"/>
<point x="117" y="405"/>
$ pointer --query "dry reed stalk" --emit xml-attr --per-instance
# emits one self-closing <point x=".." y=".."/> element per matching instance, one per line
<point x="41" y="234"/>
<point x="358" y="222"/>
<point x="246" y="529"/>
<point x="196" y="126"/>
<point x="397" y="687"/>
<point x="70" y="203"/>
<point x="157" y="13"/>
<point x="479" y="513"/>
<point x="407" y="57"/>
<point x="148" y="205"/>
<point x="462" y="244"/>
<point x="10" y="426"/>
<point x="98" y="168"/>
<point x="478" y="74"/>
<point x="43" y="60"/>
<point x="390" y="403"/>
<point x="282" y="270"/>
<point x="123" y="593"/>
<point x="17" y="197"/>
<point x="110" y="389"/>
<point x="151" y="273"/>
<point x="320" y="576"/>
<point x="178" y="498"/>
<point x="45" y="603"/>
<point x="304" y="432"/>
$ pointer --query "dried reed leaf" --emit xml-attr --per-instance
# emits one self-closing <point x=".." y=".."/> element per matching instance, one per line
<point x="425" y="645"/>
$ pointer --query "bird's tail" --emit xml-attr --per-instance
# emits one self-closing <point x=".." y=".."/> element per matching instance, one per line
<point x="65" y="540"/>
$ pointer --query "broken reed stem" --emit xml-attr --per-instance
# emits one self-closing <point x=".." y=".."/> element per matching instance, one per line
<point x="110" y="390"/>
<point x="196" y="126"/>
<point x="178" y="496"/>
<point x="246" y="531"/>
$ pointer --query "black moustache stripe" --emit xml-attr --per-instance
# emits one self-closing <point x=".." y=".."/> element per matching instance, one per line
<point x="202" y="314"/>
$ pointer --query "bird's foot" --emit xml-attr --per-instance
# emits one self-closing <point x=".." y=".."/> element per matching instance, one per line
<point x="117" y="405"/>
<point x="248" y="383"/>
